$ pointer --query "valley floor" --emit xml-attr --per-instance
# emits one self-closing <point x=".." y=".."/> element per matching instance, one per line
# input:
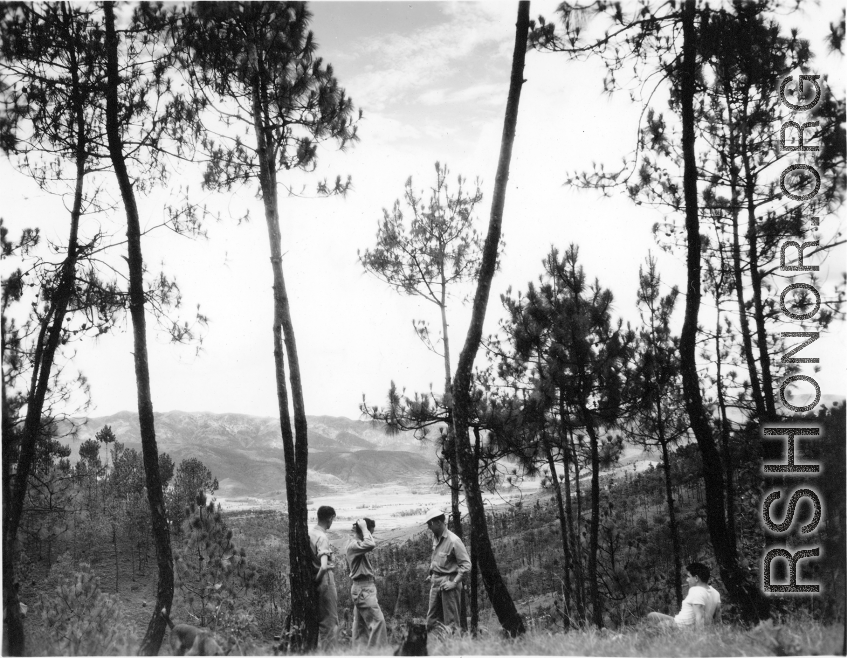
<point x="399" y="507"/>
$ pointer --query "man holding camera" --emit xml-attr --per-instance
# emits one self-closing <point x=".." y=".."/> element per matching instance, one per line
<point x="368" y="620"/>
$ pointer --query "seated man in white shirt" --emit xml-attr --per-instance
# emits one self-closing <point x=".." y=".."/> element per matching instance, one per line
<point x="701" y="607"/>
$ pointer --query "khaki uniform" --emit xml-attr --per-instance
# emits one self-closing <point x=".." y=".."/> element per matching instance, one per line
<point x="368" y="620"/>
<point x="327" y="596"/>
<point x="449" y="559"/>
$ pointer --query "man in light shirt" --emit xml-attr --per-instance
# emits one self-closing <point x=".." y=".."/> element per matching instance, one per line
<point x="322" y="565"/>
<point x="701" y="606"/>
<point x="368" y="620"/>
<point x="450" y="562"/>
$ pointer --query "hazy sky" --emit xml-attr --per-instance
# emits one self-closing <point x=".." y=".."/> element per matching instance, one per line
<point x="432" y="80"/>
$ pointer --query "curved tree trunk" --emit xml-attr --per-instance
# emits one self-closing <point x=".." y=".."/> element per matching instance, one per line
<point x="165" y="588"/>
<point x="295" y="445"/>
<point x="745" y="594"/>
<point x="45" y="352"/>
<point x="499" y="595"/>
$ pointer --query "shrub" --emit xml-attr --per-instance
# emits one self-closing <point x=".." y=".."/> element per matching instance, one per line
<point x="79" y="619"/>
<point x="410" y="512"/>
<point x="214" y="577"/>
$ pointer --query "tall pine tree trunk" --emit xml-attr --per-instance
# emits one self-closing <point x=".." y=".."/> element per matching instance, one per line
<point x="752" y="604"/>
<point x="579" y="586"/>
<point x="746" y="335"/>
<point x="13" y="631"/>
<point x="499" y="595"/>
<point x="450" y="447"/>
<point x="474" y="594"/>
<point x="666" y="461"/>
<point x="594" y="528"/>
<point x="674" y="527"/>
<point x="295" y="445"/>
<point x="474" y="602"/>
<point x="450" y="441"/>
<point x="563" y="528"/>
<point x="165" y="587"/>
<point x="45" y="352"/>
<point x="756" y="279"/>
<point x="726" y="457"/>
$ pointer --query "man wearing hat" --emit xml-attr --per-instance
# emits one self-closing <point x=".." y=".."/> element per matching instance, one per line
<point x="449" y="563"/>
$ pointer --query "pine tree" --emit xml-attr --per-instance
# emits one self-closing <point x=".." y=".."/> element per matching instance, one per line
<point x="749" y="57"/>
<point x="126" y="80"/>
<point x="500" y="598"/>
<point x="667" y="36"/>
<point x="438" y="250"/>
<point x="192" y="478"/>
<point x="564" y="327"/>
<point x="214" y="575"/>
<point x="48" y="83"/>
<point x="658" y="414"/>
<point x="107" y="437"/>
<point x="260" y="59"/>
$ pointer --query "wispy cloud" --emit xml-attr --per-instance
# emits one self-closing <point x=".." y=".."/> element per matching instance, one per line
<point x="472" y="36"/>
<point x="489" y="93"/>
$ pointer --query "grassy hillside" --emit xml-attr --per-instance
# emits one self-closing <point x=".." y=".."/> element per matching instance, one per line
<point x="83" y="518"/>
<point x="264" y="534"/>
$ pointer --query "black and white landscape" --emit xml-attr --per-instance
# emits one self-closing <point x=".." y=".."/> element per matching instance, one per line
<point x="245" y="452"/>
<point x="571" y="274"/>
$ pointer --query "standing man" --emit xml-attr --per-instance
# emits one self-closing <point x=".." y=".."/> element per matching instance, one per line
<point x="368" y="620"/>
<point x="324" y="577"/>
<point x="449" y="563"/>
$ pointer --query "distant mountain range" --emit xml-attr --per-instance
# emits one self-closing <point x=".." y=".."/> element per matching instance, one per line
<point x="245" y="452"/>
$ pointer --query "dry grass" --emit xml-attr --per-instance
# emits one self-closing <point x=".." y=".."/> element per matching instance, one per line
<point x="794" y="638"/>
<point x="805" y="638"/>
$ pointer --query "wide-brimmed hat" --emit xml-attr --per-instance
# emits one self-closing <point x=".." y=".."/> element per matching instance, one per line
<point x="433" y="513"/>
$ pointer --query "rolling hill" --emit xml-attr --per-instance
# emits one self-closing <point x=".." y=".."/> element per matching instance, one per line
<point x="245" y="452"/>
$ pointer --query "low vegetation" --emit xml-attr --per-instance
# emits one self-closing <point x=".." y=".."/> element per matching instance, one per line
<point x="792" y="638"/>
<point x="89" y="569"/>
